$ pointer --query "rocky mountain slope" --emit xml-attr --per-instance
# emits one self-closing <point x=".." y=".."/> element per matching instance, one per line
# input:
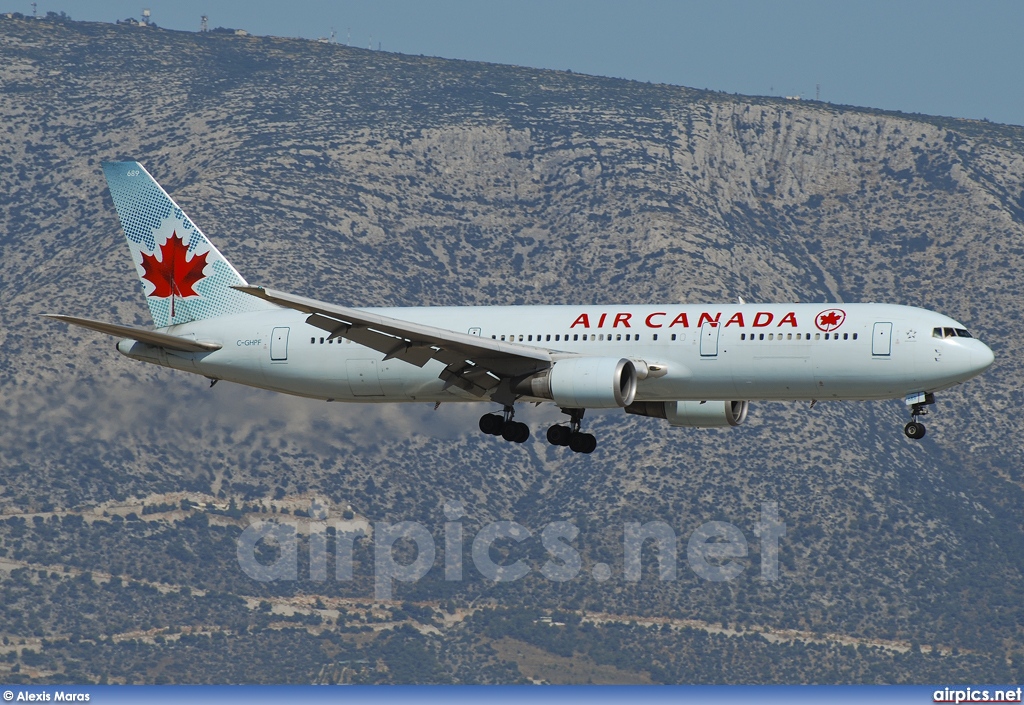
<point x="370" y="178"/>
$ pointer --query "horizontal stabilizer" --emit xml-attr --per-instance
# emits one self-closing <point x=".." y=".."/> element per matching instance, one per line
<point x="162" y="340"/>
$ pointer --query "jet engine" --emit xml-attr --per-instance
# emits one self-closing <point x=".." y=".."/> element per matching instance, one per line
<point x="696" y="414"/>
<point x="584" y="383"/>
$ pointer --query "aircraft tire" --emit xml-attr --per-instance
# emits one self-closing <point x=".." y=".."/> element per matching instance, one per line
<point x="559" y="435"/>
<point x="914" y="430"/>
<point x="515" y="432"/>
<point x="578" y="442"/>
<point x="491" y="424"/>
<point x="590" y="443"/>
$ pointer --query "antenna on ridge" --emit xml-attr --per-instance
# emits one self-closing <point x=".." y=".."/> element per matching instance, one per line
<point x="203" y="26"/>
<point x="145" y="16"/>
<point x="34" y="11"/>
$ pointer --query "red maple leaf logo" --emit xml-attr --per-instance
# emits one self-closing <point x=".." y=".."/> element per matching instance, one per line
<point x="830" y="320"/>
<point x="173" y="274"/>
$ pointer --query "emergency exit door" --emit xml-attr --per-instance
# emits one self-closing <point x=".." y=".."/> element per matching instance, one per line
<point x="279" y="345"/>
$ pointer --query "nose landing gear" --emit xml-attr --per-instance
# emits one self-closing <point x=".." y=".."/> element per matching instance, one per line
<point x="578" y="442"/>
<point x="915" y="430"/>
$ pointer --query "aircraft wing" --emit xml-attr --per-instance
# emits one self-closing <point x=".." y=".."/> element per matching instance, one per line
<point x="472" y="363"/>
<point x="151" y="337"/>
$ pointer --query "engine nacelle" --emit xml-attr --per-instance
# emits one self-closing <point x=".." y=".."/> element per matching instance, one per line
<point x="584" y="383"/>
<point x="709" y="414"/>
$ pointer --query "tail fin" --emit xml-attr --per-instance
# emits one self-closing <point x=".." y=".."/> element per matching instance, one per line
<point x="183" y="275"/>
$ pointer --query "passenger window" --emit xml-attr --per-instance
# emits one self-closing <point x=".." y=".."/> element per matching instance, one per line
<point x="854" y="336"/>
<point x="771" y="336"/>
<point x="321" y="341"/>
<point x="548" y="337"/>
<point x="789" y="336"/>
<point x="576" y="336"/>
<point x="761" y="337"/>
<point x="673" y="336"/>
<point x="520" y="337"/>
<point x="312" y="340"/>
<point x="529" y="338"/>
<point x="618" y="337"/>
<point x="584" y="336"/>
<point x="743" y="336"/>
<point x="655" y="336"/>
<point x="557" y="337"/>
<point x="846" y="336"/>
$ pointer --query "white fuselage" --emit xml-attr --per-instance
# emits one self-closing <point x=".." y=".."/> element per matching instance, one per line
<point x="699" y="352"/>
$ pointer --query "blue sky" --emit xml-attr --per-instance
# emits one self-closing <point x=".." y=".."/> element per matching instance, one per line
<point x="942" y="57"/>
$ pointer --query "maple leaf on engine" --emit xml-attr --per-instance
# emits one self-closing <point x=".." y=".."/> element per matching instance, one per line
<point x="173" y="274"/>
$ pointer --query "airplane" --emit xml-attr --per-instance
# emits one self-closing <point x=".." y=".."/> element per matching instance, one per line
<point x="691" y="365"/>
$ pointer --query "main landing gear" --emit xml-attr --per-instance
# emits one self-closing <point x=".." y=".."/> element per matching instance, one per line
<point x="917" y="402"/>
<point x="559" y="435"/>
<point x="503" y="425"/>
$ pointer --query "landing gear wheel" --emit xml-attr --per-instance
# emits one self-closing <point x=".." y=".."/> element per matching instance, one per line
<point x="914" y="430"/>
<point x="492" y="424"/>
<point x="582" y="443"/>
<point x="559" y="435"/>
<point x="576" y="443"/>
<point x="515" y="432"/>
<point x="591" y="443"/>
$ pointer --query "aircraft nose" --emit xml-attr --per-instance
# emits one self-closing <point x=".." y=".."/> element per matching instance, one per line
<point x="982" y="357"/>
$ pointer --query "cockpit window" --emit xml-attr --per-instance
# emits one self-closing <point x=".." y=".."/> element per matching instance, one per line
<point x="951" y="333"/>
